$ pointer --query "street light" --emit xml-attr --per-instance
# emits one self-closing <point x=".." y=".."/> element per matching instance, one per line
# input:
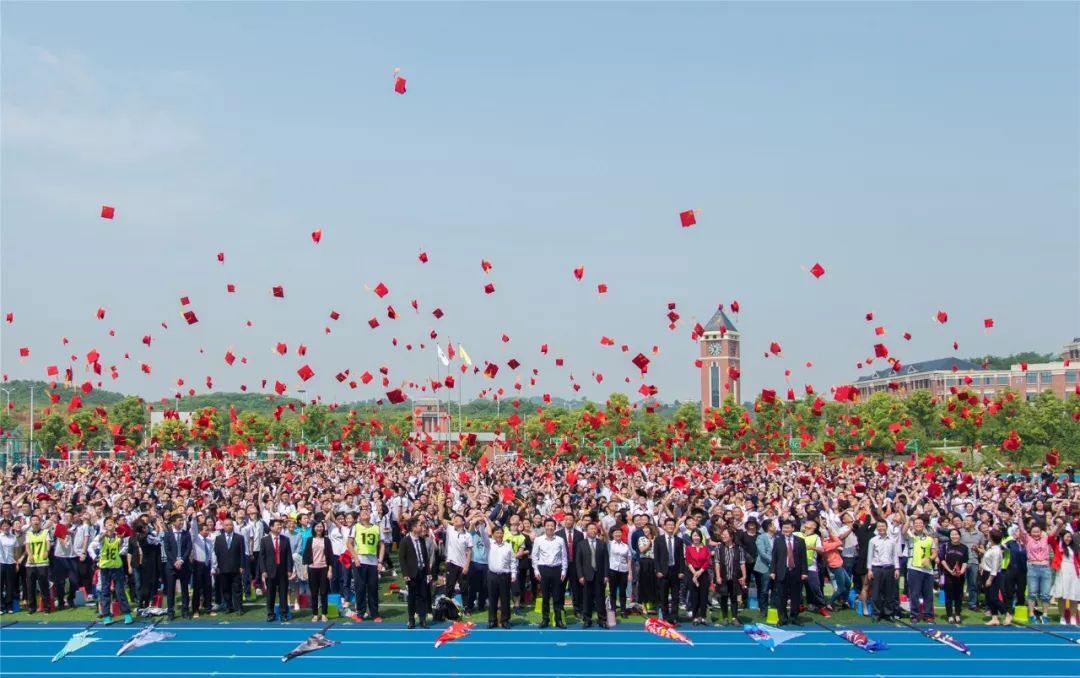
<point x="303" y="404"/>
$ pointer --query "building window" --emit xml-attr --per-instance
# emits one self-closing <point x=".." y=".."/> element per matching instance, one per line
<point x="1070" y="377"/>
<point x="714" y="386"/>
<point x="1032" y="377"/>
<point x="988" y="381"/>
<point x="1003" y="380"/>
<point x="1046" y="377"/>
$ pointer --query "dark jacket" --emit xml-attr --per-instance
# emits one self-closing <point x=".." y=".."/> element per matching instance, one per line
<point x="578" y="537"/>
<point x="779" y="558"/>
<point x="410" y="565"/>
<point x="583" y="560"/>
<point x="230" y="558"/>
<point x="175" y="551"/>
<point x="309" y="551"/>
<point x="266" y="556"/>
<point x="660" y="554"/>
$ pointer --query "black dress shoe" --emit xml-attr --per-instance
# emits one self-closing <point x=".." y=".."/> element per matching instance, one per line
<point x="411" y="625"/>
<point x="601" y="625"/>
<point x="560" y="624"/>
<point x="424" y="624"/>
<point x="492" y="625"/>
<point x="544" y="624"/>
<point x="586" y="624"/>
<point x="506" y="625"/>
<point x="171" y="615"/>
<point x="796" y="622"/>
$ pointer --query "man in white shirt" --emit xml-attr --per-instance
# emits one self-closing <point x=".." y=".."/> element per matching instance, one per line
<point x="458" y="558"/>
<point x="549" y="568"/>
<point x="502" y="572"/>
<point x="883" y="565"/>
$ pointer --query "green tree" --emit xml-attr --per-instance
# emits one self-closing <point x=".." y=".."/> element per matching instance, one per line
<point x="172" y="434"/>
<point x="95" y="433"/>
<point x="133" y="417"/>
<point x="53" y="432"/>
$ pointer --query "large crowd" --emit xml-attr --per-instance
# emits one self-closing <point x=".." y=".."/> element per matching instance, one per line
<point x="699" y="542"/>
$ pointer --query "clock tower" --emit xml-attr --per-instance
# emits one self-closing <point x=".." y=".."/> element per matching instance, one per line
<point x="720" y="361"/>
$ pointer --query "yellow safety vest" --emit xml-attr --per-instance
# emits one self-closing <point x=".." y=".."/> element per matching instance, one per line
<point x="1006" y="554"/>
<point x="367" y="539"/>
<point x="811" y="541"/>
<point x="109" y="556"/>
<point x="515" y="540"/>
<point x="37" y="548"/>
<point x="922" y="548"/>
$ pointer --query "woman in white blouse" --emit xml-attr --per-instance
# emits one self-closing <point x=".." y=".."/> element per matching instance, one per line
<point x="618" y="568"/>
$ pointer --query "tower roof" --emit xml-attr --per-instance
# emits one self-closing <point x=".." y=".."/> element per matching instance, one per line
<point x="720" y="320"/>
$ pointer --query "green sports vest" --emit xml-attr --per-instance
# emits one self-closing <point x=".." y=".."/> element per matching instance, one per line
<point x="109" y="557"/>
<point x="367" y="540"/>
<point x="37" y="548"/>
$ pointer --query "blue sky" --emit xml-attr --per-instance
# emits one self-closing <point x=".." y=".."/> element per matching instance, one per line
<point x="926" y="154"/>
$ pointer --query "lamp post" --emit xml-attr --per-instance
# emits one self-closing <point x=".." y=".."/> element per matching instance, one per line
<point x="303" y="404"/>
<point x="32" y="387"/>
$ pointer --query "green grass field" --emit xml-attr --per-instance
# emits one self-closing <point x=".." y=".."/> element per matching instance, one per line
<point x="392" y="608"/>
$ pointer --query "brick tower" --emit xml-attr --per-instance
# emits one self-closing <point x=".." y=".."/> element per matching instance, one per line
<point x="719" y="353"/>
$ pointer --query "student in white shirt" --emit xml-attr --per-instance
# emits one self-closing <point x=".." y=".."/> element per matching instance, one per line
<point x="502" y="573"/>
<point x="549" y="568"/>
<point x="883" y="571"/>
<point x="618" y="569"/>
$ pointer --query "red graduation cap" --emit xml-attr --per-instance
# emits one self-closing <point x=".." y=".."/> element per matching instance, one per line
<point x="988" y="323"/>
<point x="373" y="323"/>
<point x="880" y="350"/>
<point x="396" y="396"/>
<point x="687" y="218"/>
<point x="942" y="317"/>
<point x="774" y="348"/>
<point x="24" y="352"/>
<point x="221" y="257"/>
<point x="399" y="85"/>
<point x="579" y="272"/>
<point x="229" y="358"/>
<point x="423" y="257"/>
<point x="438" y="313"/>
<point x="316" y="236"/>
<point x="817" y="270"/>
<point x="108" y="212"/>
<point x="334" y="315"/>
<point x="490" y="370"/>
<point x="10" y="317"/>
<point x="513" y="364"/>
<point x="485" y="265"/>
<point x="278" y="291"/>
<point x="641" y="361"/>
<point x="381" y="290"/>
<point x="306" y="372"/>
<point x="190" y="317"/>
<point x="907" y="336"/>
<point x="100" y="313"/>
<point x="230" y="288"/>
<point x="768" y="395"/>
<point x="489" y="288"/>
<point x="301" y="350"/>
<point x="366" y="377"/>
<point x="279" y="387"/>
<point x="601" y="288"/>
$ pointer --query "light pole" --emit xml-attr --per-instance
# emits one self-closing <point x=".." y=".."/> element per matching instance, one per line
<point x="32" y="387"/>
<point x="303" y="404"/>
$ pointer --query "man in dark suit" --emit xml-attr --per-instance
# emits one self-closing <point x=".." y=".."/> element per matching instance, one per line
<point x="591" y="564"/>
<point x="415" y="557"/>
<point x="231" y="559"/>
<point x="668" y="556"/>
<point x="177" y="553"/>
<point x="572" y="538"/>
<point x="277" y="569"/>
<point x="787" y="572"/>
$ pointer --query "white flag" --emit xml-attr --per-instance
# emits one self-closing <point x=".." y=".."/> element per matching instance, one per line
<point x="442" y="356"/>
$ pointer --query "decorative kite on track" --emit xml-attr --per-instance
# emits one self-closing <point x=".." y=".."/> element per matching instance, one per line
<point x="769" y="637"/>
<point x="659" y="627"/>
<point x="456" y="631"/>
<point x="145" y="636"/>
<point x="315" y="641"/>
<point x="859" y="640"/>
<point x="945" y="638"/>
<point x="77" y="642"/>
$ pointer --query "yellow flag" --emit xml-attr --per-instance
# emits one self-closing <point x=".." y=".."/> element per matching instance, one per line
<point x="464" y="355"/>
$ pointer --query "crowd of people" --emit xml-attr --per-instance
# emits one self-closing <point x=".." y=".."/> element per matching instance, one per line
<point x="701" y="541"/>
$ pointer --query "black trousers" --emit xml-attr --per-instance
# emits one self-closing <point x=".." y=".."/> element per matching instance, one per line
<point x="149" y="575"/>
<point x="551" y="588"/>
<point x="728" y="592"/>
<point x="788" y="594"/>
<point x="366" y="587"/>
<point x="669" y="594"/>
<point x="319" y="582"/>
<point x="418" y="598"/>
<point x="231" y="586"/>
<point x="278" y="588"/>
<point x="455" y="577"/>
<point x="498" y="586"/>
<point x="575" y="587"/>
<point x="9" y="587"/>
<point x="84" y="569"/>
<point x="617" y="587"/>
<point x="204" y="588"/>
<point x="478" y="587"/>
<point x="37" y="578"/>
<point x="66" y="577"/>
<point x="699" y="596"/>
<point x="954" y="595"/>
<point x="593" y="599"/>
<point x="884" y="591"/>
<point x="172" y="575"/>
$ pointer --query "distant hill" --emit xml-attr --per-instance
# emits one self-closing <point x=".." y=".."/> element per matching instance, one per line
<point x="995" y="362"/>
<point x="20" y="394"/>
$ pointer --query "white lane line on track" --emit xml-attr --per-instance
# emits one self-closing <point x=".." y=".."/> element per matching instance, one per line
<point x="503" y="657"/>
<point x="290" y="641"/>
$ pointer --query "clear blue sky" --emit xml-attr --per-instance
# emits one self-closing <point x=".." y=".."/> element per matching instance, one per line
<point x="926" y="154"/>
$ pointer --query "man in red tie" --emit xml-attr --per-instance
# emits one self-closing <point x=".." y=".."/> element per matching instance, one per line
<point x="277" y="563"/>
<point x="788" y="572"/>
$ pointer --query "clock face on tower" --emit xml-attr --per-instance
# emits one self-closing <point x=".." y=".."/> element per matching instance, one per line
<point x="714" y="348"/>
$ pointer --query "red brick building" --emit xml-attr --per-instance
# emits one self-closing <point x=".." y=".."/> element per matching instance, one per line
<point x="720" y="361"/>
<point x="940" y="377"/>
